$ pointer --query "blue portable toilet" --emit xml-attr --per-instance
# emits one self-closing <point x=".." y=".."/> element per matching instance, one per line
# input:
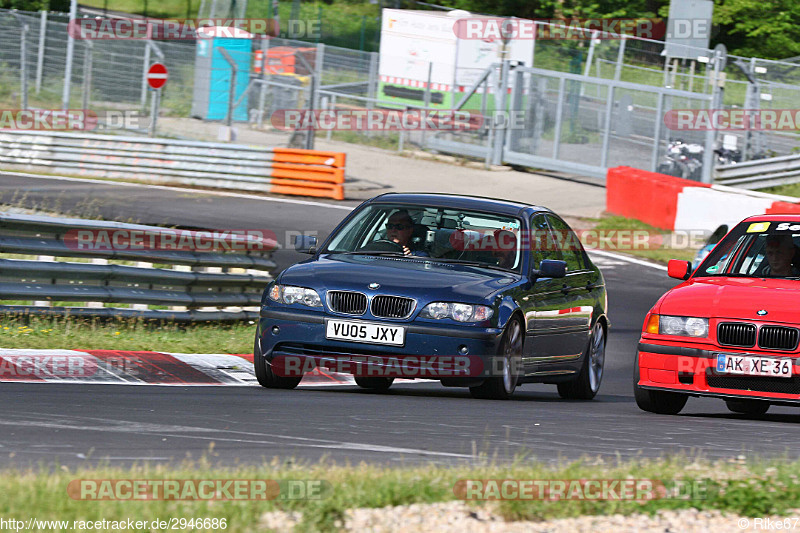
<point x="212" y="73"/>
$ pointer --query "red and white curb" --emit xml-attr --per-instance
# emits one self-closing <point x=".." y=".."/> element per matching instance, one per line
<point x="117" y="367"/>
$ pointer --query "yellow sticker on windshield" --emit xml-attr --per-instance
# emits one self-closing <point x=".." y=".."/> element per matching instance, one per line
<point x="758" y="227"/>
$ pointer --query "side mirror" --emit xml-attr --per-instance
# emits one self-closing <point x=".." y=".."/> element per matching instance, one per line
<point x="305" y="244"/>
<point x="550" y="268"/>
<point x="679" y="269"/>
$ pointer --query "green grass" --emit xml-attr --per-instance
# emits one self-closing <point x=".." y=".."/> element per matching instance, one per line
<point x="793" y="189"/>
<point x="125" y="334"/>
<point x="177" y="98"/>
<point x="756" y="489"/>
<point x="659" y="254"/>
<point x="386" y="141"/>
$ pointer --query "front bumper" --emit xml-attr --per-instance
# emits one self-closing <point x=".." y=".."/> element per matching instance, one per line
<point x="431" y="351"/>
<point x="692" y="370"/>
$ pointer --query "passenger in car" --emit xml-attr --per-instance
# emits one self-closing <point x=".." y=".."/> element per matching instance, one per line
<point x="505" y="251"/>
<point x="782" y="256"/>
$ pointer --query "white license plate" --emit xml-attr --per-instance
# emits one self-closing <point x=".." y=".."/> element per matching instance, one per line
<point x="346" y="330"/>
<point x="754" y="366"/>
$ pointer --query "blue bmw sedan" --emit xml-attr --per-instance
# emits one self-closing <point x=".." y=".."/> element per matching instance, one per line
<point x="473" y="292"/>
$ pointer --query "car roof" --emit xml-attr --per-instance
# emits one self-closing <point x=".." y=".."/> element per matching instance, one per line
<point x="458" y="201"/>
<point x="771" y="218"/>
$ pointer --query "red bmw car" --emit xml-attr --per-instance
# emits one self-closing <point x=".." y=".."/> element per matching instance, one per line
<point x="730" y="330"/>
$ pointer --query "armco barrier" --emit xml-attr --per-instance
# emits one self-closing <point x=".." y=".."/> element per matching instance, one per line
<point x="215" y="165"/>
<point x="221" y="284"/>
<point x="672" y="203"/>
<point x="760" y="173"/>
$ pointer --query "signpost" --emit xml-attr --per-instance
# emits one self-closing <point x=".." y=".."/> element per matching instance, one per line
<point x="156" y="79"/>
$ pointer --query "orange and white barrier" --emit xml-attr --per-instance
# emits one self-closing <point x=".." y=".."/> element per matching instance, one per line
<point x="308" y="173"/>
<point x="677" y="204"/>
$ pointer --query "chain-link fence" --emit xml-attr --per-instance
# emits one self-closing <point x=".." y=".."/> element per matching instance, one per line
<point x="773" y="84"/>
<point x="278" y="74"/>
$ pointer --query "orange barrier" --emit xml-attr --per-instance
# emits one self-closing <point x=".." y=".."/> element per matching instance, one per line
<point x="282" y="60"/>
<point x="783" y="208"/>
<point x="646" y="196"/>
<point x="309" y="157"/>
<point x="308" y="173"/>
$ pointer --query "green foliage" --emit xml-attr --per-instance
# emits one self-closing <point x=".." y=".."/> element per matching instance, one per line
<point x="659" y="254"/>
<point x="747" y="27"/>
<point x="762" y="29"/>
<point x="792" y="189"/>
<point x="29" y="5"/>
<point x="541" y="9"/>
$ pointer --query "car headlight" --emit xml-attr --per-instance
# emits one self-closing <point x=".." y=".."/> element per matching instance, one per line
<point x="457" y="311"/>
<point x="295" y="295"/>
<point x="684" y="326"/>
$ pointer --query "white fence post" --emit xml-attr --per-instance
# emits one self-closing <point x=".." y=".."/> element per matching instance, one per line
<point x="73" y="8"/>
<point x="40" y="51"/>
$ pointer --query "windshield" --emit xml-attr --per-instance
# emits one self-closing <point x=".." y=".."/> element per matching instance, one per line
<point x="757" y="249"/>
<point x="446" y="235"/>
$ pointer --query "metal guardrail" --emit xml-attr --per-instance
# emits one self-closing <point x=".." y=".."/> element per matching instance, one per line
<point x="204" y="164"/>
<point x="194" y="285"/>
<point x="761" y="173"/>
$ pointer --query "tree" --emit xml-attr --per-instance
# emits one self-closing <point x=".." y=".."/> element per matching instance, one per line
<point x="760" y="28"/>
<point x="757" y="28"/>
<point x="26" y="5"/>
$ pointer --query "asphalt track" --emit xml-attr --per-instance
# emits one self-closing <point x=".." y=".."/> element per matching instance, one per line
<point x="412" y="423"/>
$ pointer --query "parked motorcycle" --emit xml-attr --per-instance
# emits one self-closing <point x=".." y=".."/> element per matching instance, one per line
<point x="727" y="156"/>
<point x="683" y="160"/>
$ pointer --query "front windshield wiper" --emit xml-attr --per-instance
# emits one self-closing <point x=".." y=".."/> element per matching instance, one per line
<point x="399" y="254"/>
<point x="465" y="262"/>
<point x="481" y="264"/>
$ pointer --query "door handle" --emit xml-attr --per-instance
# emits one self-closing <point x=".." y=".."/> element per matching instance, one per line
<point x="565" y="289"/>
<point x="591" y="286"/>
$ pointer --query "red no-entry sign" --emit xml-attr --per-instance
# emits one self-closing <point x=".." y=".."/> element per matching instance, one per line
<point x="157" y="75"/>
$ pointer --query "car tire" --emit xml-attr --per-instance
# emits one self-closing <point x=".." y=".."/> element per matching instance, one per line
<point x="509" y="357"/>
<point x="653" y="401"/>
<point x="586" y="385"/>
<point x="264" y="374"/>
<point x="377" y="384"/>
<point x="748" y="407"/>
